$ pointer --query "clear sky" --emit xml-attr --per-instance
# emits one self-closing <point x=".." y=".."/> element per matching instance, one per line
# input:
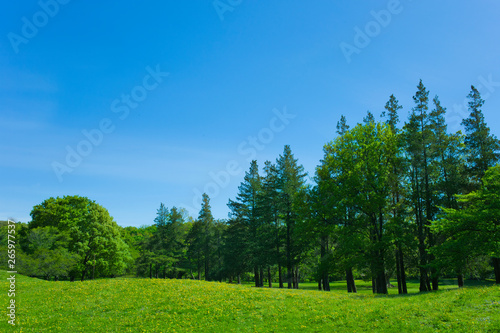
<point x="134" y="103"/>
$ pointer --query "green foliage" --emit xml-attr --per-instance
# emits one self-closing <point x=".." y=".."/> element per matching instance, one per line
<point x="474" y="229"/>
<point x="85" y="229"/>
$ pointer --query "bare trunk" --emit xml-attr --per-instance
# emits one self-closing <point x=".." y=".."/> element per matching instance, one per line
<point x="280" y="276"/>
<point x="351" y="285"/>
<point x="398" y="273"/>
<point x="496" y="268"/>
<point x="460" y="279"/>
<point x="289" y="268"/>
<point x="402" y="268"/>
<point x="256" y="276"/>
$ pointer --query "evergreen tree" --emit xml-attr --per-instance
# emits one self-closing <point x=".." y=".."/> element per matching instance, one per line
<point x="483" y="148"/>
<point x="418" y="139"/>
<point x="272" y="223"/>
<point x="391" y="112"/>
<point x="342" y="126"/>
<point x="246" y="210"/>
<point x="398" y="222"/>
<point x="290" y="180"/>
<point x="207" y="228"/>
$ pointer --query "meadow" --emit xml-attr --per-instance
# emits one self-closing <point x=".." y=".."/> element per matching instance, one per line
<point x="157" y="305"/>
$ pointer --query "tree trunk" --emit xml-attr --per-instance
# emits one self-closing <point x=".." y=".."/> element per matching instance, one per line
<point x="289" y="268"/>
<point x="239" y="278"/>
<point x="428" y="282"/>
<point x="351" y="285"/>
<point x="381" y="283"/>
<point x="326" y="282"/>
<point x="297" y="278"/>
<point x="402" y="269"/>
<point x="207" y="270"/>
<point x="435" y="283"/>
<point x="198" y="264"/>
<point x="261" y="276"/>
<point x="398" y="273"/>
<point x="460" y="279"/>
<point x="323" y="269"/>
<point x="496" y="268"/>
<point x="280" y="276"/>
<point x="93" y="269"/>
<point x="83" y="273"/>
<point x="319" y="284"/>
<point x="434" y="271"/>
<point x="270" y="282"/>
<point x="256" y="276"/>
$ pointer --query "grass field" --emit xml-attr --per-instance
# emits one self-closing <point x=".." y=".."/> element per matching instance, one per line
<point x="143" y="305"/>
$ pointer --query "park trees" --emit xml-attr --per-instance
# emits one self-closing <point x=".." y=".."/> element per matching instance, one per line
<point x="360" y="160"/>
<point x="200" y="241"/>
<point x="90" y="234"/>
<point x="289" y="182"/>
<point x="246" y="211"/>
<point x="473" y="229"/>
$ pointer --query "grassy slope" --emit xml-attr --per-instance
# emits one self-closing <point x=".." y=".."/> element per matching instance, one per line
<point x="143" y="305"/>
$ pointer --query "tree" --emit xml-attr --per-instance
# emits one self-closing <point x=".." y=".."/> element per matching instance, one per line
<point x="272" y="223"/>
<point x="342" y="126"/>
<point x="94" y="237"/>
<point x="290" y="180"/>
<point x="483" y="148"/>
<point x="195" y="241"/>
<point x="474" y="229"/>
<point x="391" y="112"/>
<point x="398" y="222"/>
<point x="248" y="209"/>
<point x="418" y="139"/>
<point x="167" y="242"/>
<point x="207" y="224"/>
<point x="45" y="253"/>
<point x="360" y="160"/>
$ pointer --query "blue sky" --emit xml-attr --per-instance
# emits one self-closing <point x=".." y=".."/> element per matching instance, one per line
<point x="244" y="79"/>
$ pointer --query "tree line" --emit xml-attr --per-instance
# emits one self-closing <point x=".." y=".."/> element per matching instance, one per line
<point x="387" y="200"/>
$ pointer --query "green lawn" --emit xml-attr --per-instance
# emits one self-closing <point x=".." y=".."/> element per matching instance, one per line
<point x="143" y="305"/>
